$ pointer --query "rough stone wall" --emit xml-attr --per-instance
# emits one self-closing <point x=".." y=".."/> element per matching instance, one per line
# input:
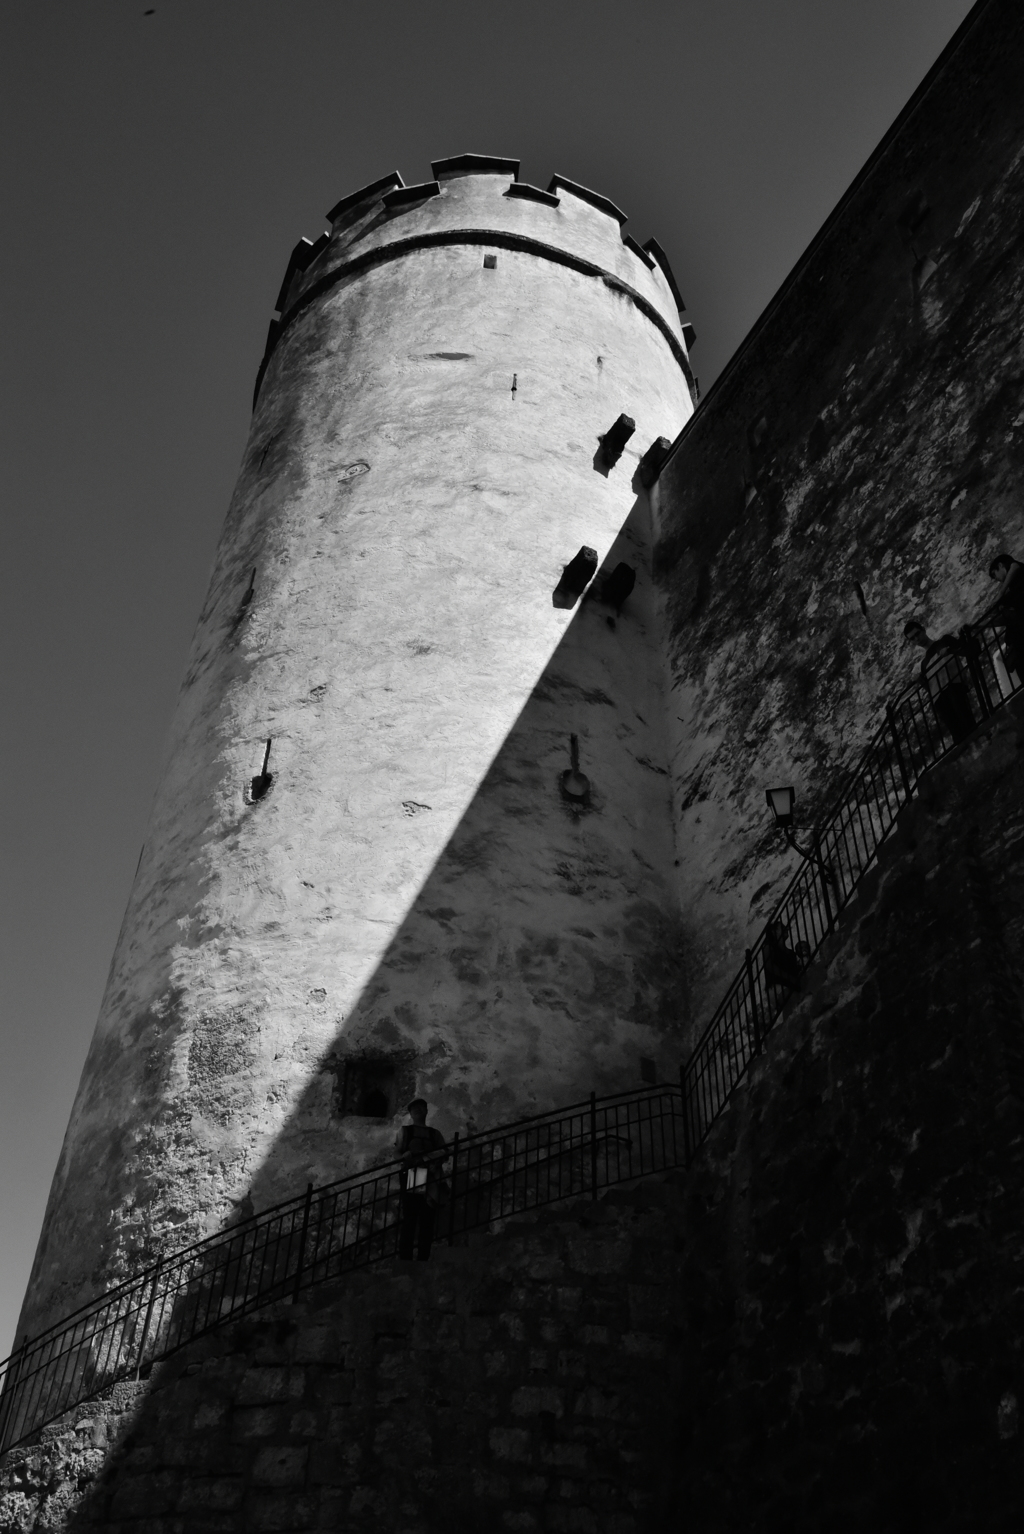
<point x="522" y="1384"/>
<point x="413" y="895"/>
<point x="854" y="1264"/>
<point x="859" y="462"/>
<point x="821" y="1327"/>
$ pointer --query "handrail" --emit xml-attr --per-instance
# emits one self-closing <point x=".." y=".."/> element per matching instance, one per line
<point x="326" y="1232"/>
<point x="568" y="1152"/>
<point x="965" y="684"/>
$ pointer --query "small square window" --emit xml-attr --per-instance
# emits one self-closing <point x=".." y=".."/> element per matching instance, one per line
<point x="490" y="261"/>
<point x="648" y="1072"/>
<point x="368" y="1089"/>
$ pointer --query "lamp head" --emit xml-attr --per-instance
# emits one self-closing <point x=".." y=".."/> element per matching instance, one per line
<point x="781" y="801"/>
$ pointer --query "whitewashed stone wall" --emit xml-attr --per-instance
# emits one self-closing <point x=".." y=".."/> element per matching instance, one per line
<point x="413" y="888"/>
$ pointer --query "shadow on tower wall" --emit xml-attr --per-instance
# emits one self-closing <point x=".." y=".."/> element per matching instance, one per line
<point x="540" y="958"/>
<point x="538" y="961"/>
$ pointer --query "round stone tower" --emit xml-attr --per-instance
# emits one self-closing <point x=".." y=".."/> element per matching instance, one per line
<point x="413" y="835"/>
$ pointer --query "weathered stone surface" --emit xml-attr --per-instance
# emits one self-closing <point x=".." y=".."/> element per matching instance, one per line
<point x="440" y="1426"/>
<point x="414" y="888"/>
<point x="866" y="441"/>
<point x="821" y="1327"/>
<point x="854" y="1267"/>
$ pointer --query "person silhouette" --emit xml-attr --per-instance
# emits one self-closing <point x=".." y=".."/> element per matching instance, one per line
<point x="423" y="1152"/>
<point x="943" y="670"/>
<point x="1008" y="610"/>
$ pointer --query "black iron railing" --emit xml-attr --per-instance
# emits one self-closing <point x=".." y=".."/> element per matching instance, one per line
<point x="572" y="1152"/>
<point x="964" y="685"/>
<point x="328" y="1232"/>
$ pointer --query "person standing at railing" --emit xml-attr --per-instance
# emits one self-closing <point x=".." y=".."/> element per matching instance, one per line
<point x="1008" y="611"/>
<point x="943" y="671"/>
<point x="423" y="1151"/>
<point x="782" y="964"/>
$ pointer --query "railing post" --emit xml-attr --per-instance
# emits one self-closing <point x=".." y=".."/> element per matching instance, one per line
<point x="451" y="1201"/>
<point x="150" y="1304"/>
<point x="593" y="1146"/>
<point x="686" y="1115"/>
<point x="970" y="649"/>
<point x="754" y="1011"/>
<point x="300" y="1265"/>
<point x="823" y="880"/>
<point x="8" y="1401"/>
<point x="890" y="714"/>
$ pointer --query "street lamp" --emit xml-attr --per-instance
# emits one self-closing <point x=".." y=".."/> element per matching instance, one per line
<point x="782" y="802"/>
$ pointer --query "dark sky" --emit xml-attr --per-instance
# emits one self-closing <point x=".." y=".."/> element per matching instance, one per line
<point x="159" y="169"/>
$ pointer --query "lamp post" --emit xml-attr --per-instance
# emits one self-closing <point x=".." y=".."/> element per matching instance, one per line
<point x="782" y="803"/>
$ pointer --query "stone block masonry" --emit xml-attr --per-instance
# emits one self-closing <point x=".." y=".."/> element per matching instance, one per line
<point x="821" y="1327"/>
<point x="523" y="1383"/>
<point x="858" y="463"/>
<point x="853" y="1295"/>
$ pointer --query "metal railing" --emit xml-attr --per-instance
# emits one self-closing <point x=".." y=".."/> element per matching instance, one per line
<point x="571" y="1152"/>
<point x="963" y="686"/>
<point x="328" y="1232"/>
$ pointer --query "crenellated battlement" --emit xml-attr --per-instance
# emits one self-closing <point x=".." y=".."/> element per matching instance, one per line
<point x="479" y="199"/>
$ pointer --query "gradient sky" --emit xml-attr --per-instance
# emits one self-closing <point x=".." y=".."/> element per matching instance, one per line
<point x="158" y="170"/>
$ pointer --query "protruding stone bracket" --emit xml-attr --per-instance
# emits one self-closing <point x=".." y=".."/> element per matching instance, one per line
<point x="576" y="576"/>
<point x="651" y="462"/>
<point x="616" y="587"/>
<point x="614" y="440"/>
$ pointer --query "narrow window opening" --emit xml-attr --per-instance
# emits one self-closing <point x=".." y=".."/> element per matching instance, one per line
<point x="490" y="261"/>
<point x="368" y="1090"/>
<point x="648" y="1072"/>
<point x="858" y="591"/>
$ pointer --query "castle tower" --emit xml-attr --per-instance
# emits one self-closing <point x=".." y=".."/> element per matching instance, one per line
<point x="414" y="832"/>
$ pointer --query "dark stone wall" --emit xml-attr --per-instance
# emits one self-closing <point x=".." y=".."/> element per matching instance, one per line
<point x="869" y="433"/>
<point x="822" y="1326"/>
<point x="525" y="1383"/>
<point x="854" y="1267"/>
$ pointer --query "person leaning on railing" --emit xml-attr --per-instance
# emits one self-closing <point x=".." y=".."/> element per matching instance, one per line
<point x="1007" y="610"/>
<point x="783" y="966"/>
<point x="423" y="1151"/>
<point x="943" y="670"/>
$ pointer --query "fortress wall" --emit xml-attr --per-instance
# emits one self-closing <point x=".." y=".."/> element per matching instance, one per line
<point x="821" y="1327"/>
<point x="854" y="1265"/>
<point x="413" y="896"/>
<point x="869" y="432"/>
<point x="525" y="1383"/>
